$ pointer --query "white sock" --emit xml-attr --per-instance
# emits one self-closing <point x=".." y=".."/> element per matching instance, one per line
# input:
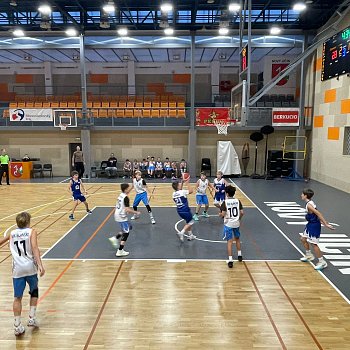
<point x="308" y="252"/>
<point x="151" y="215"/>
<point x="230" y="258"/>
<point x="190" y="233"/>
<point x="320" y="259"/>
<point x="182" y="232"/>
<point x="239" y="253"/>
<point x="32" y="311"/>
<point x="17" y="321"/>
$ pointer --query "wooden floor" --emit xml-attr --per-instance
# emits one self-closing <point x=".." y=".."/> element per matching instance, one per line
<point x="163" y="305"/>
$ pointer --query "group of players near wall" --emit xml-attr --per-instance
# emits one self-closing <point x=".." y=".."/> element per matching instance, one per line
<point x="26" y="255"/>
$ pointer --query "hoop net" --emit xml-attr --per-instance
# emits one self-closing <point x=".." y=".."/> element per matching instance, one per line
<point x="63" y="127"/>
<point x="221" y="125"/>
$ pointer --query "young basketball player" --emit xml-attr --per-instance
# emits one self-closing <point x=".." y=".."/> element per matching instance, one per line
<point x="140" y="186"/>
<point x="75" y="188"/>
<point x="26" y="262"/>
<point x="219" y="185"/>
<point x="122" y="208"/>
<point x="201" y="196"/>
<point x="184" y="211"/>
<point x="312" y="230"/>
<point x="232" y="212"/>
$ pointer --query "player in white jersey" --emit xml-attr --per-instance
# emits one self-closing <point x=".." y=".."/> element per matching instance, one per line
<point x="25" y="265"/>
<point x="140" y="186"/>
<point x="201" y="196"/>
<point x="219" y="185"/>
<point x="122" y="208"/>
<point x="232" y="212"/>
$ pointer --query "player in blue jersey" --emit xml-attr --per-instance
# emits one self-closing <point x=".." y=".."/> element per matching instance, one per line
<point x="75" y="188"/>
<point x="184" y="211"/>
<point x="312" y="230"/>
<point x="219" y="185"/>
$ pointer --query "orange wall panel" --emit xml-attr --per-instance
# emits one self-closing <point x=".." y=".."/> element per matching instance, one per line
<point x="318" y="121"/>
<point x="182" y="78"/>
<point x="330" y="96"/>
<point x="345" y="106"/>
<point x="318" y="64"/>
<point x="99" y="78"/>
<point x="24" y="78"/>
<point x="333" y="133"/>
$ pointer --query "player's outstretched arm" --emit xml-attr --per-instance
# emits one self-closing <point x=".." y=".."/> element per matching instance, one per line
<point x="4" y="239"/>
<point x="320" y="216"/>
<point x="36" y="252"/>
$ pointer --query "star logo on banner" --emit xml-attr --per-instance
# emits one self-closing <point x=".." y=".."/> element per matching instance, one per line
<point x="213" y="114"/>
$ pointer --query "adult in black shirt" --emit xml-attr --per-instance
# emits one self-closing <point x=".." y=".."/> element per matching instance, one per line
<point x="111" y="169"/>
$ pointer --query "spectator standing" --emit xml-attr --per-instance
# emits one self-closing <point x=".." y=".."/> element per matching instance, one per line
<point x="78" y="162"/>
<point x="5" y="160"/>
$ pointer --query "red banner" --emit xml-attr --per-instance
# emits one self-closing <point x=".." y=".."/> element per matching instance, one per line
<point x="276" y="69"/>
<point x="285" y="116"/>
<point x="205" y="116"/>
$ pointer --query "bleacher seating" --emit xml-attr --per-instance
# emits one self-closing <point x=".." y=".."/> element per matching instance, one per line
<point x="109" y="106"/>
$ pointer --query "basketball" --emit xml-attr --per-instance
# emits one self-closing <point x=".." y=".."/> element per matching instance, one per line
<point x="186" y="177"/>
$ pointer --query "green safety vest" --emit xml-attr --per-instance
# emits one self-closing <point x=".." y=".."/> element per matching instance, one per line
<point x="4" y="159"/>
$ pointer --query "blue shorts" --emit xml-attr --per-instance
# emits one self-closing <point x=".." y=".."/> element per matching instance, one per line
<point x="140" y="197"/>
<point x="125" y="226"/>
<point x="219" y="197"/>
<point x="312" y="232"/>
<point x="79" y="197"/>
<point x="151" y="168"/>
<point x="230" y="232"/>
<point x="19" y="284"/>
<point x="202" y="199"/>
<point x="187" y="216"/>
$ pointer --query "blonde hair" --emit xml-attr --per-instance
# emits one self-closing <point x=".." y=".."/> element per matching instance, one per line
<point x="138" y="172"/>
<point x="23" y="220"/>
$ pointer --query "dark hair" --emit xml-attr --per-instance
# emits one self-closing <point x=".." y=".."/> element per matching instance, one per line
<point x="124" y="187"/>
<point x="308" y="192"/>
<point x="175" y="185"/>
<point x="127" y="160"/>
<point x="23" y="220"/>
<point x="203" y="173"/>
<point x="230" y="190"/>
<point x="74" y="172"/>
<point x="182" y="160"/>
<point x="166" y="158"/>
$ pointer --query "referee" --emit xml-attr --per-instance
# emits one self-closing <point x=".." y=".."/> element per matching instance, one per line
<point x="4" y="159"/>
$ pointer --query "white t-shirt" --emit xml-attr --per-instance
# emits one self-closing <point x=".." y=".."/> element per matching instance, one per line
<point x="139" y="185"/>
<point x="122" y="203"/>
<point x="202" y="186"/>
<point x="232" y="207"/>
<point x="23" y="261"/>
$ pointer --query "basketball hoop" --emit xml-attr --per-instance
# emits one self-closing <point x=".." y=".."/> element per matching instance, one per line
<point x="63" y="127"/>
<point x="221" y="125"/>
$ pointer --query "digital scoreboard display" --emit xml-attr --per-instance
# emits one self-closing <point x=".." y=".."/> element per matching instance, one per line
<point x="244" y="58"/>
<point x="336" y="55"/>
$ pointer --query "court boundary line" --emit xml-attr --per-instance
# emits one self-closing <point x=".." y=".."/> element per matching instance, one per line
<point x="295" y="308"/>
<point x="92" y="332"/>
<point x="165" y="259"/>
<point x="292" y="243"/>
<point x="82" y="248"/>
<point x="273" y="324"/>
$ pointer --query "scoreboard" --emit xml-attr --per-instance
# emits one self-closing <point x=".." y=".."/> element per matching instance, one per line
<point x="336" y="55"/>
<point x="244" y="58"/>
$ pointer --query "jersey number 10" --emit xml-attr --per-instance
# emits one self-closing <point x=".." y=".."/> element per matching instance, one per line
<point x="233" y="212"/>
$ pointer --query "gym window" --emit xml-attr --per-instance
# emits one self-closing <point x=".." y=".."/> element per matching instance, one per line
<point x="346" y="149"/>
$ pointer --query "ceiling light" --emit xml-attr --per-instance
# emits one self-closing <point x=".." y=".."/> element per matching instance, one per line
<point x="210" y="1"/>
<point x="123" y="31"/>
<point x="166" y="7"/>
<point x="109" y="7"/>
<point x="234" y="7"/>
<point x="299" y="6"/>
<point x="13" y="2"/>
<point x="45" y="9"/>
<point x="126" y="57"/>
<point x="169" y="31"/>
<point x="223" y="31"/>
<point x="71" y="32"/>
<point x="45" y="24"/>
<point x="275" y="30"/>
<point x="18" y="32"/>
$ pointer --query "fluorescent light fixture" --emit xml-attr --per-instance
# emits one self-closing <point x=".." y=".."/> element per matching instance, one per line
<point x="18" y="32"/>
<point x="109" y="7"/>
<point x="13" y="2"/>
<point x="44" y="9"/>
<point x="223" y="31"/>
<point x="275" y="30"/>
<point x="299" y="6"/>
<point x="71" y="32"/>
<point x="166" y="7"/>
<point x="234" y="7"/>
<point x="123" y="31"/>
<point x="169" y="31"/>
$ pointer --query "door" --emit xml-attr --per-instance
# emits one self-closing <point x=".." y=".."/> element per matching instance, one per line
<point x="72" y="149"/>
